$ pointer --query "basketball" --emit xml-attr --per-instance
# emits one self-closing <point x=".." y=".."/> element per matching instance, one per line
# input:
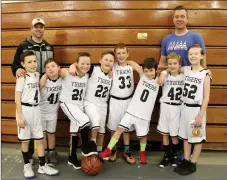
<point x="91" y="165"/>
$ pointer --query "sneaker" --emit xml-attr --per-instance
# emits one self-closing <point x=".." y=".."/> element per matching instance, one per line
<point x="105" y="154"/>
<point x="128" y="158"/>
<point x="28" y="172"/>
<point x="113" y="157"/>
<point x="52" y="158"/>
<point x="46" y="169"/>
<point x="164" y="162"/>
<point x="76" y="163"/>
<point x="191" y="168"/>
<point x="143" y="157"/>
<point x="184" y="164"/>
<point x="174" y="161"/>
<point x="89" y="149"/>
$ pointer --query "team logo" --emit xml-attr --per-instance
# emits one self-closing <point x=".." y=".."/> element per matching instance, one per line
<point x="196" y="132"/>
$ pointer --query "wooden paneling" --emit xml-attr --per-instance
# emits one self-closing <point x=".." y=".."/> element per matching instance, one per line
<point x="216" y="133"/>
<point x="110" y="36"/>
<point x="116" y="18"/>
<point x="215" y="114"/>
<point x="67" y="55"/>
<point x="99" y="5"/>
<point x="215" y="146"/>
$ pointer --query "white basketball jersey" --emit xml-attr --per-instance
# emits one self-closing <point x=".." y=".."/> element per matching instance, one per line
<point x="29" y="86"/>
<point x="172" y="89"/>
<point x="123" y="82"/>
<point x="98" y="88"/>
<point x="73" y="89"/>
<point x="49" y="102"/>
<point x="193" y="86"/>
<point x="143" y="100"/>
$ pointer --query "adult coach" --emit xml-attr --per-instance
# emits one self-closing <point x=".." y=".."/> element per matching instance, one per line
<point x="180" y="40"/>
<point x="43" y="51"/>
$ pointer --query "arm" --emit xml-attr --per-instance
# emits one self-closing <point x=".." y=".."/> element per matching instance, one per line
<point x="206" y="96"/>
<point x="73" y="69"/>
<point x="16" y="67"/>
<point x="136" y="67"/>
<point x="63" y="73"/>
<point x="42" y="81"/>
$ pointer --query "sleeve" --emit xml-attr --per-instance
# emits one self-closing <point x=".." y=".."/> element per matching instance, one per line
<point x="16" y="62"/>
<point x="199" y="40"/>
<point x="163" y="47"/>
<point x="20" y="84"/>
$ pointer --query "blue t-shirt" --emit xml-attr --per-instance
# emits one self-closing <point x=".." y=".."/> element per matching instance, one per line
<point x="180" y="45"/>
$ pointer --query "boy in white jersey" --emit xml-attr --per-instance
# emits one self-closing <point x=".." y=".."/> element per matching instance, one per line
<point x="193" y="113"/>
<point x="28" y="116"/>
<point x="72" y="104"/>
<point x="170" y="103"/>
<point x="50" y="85"/>
<point x="120" y="95"/>
<point x="139" y="111"/>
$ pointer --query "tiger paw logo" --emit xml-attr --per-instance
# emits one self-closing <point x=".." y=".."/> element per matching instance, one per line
<point x="196" y="132"/>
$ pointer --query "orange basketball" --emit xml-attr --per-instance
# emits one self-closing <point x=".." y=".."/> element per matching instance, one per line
<point x="91" y="165"/>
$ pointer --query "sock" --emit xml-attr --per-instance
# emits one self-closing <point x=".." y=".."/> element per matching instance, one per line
<point x="176" y="148"/>
<point x="167" y="150"/>
<point x="73" y="147"/>
<point x="31" y="148"/>
<point x="126" y="148"/>
<point x="84" y="135"/>
<point x="25" y="157"/>
<point x="99" y="148"/>
<point x="143" y="146"/>
<point x="112" y="143"/>
<point x="42" y="160"/>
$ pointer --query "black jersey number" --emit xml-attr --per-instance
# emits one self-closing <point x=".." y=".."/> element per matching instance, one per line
<point x="189" y="91"/>
<point x="77" y="94"/>
<point x="123" y="82"/>
<point x="53" y="98"/>
<point x="101" y="91"/>
<point x="175" y="95"/>
<point x="36" y="96"/>
<point x="144" y="95"/>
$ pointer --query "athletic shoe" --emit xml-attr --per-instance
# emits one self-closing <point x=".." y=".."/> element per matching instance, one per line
<point x="128" y="158"/>
<point x="174" y="160"/>
<point x="165" y="161"/>
<point x="184" y="164"/>
<point x="28" y="172"/>
<point x="76" y="163"/>
<point x="52" y="158"/>
<point x="191" y="168"/>
<point x="113" y="157"/>
<point x="143" y="157"/>
<point x="89" y="149"/>
<point x="46" y="169"/>
<point x="105" y="154"/>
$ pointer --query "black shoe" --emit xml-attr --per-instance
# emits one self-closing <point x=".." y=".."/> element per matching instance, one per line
<point x="75" y="163"/>
<point x="184" y="164"/>
<point x="191" y="168"/>
<point x="89" y="149"/>
<point x="174" y="160"/>
<point x="165" y="161"/>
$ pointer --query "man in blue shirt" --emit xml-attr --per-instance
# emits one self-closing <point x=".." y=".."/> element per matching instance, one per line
<point x="180" y="40"/>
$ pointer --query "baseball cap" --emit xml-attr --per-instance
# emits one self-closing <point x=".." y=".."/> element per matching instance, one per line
<point x="37" y="20"/>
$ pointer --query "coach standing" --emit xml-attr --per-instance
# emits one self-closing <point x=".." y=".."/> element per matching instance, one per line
<point x="180" y="40"/>
<point x="43" y="51"/>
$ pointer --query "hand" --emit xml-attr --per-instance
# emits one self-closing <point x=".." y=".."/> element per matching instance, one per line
<point x="198" y="121"/>
<point x="161" y="79"/>
<point x="73" y="70"/>
<point x="20" y="73"/>
<point x="21" y="122"/>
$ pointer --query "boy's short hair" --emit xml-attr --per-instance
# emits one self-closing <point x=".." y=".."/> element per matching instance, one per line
<point x="120" y="46"/>
<point x="25" y="54"/>
<point x="174" y="55"/>
<point x="150" y="63"/>
<point x="82" y="54"/>
<point x="180" y="8"/>
<point x="49" y="61"/>
<point x="107" y="52"/>
<point x="196" y="46"/>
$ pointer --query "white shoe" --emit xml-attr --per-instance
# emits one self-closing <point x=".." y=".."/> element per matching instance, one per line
<point x="28" y="172"/>
<point x="46" y="169"/>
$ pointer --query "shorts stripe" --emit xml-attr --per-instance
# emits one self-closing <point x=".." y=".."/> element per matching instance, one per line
<point x="71" y="113"/>
<point x="163" y="133"/>
<point x="182" y="138"/>
<point x="88" y="123"/>
<point x="95" y="127"/>
<point x="50" y="132"/>
<point x="142" y="136"/>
